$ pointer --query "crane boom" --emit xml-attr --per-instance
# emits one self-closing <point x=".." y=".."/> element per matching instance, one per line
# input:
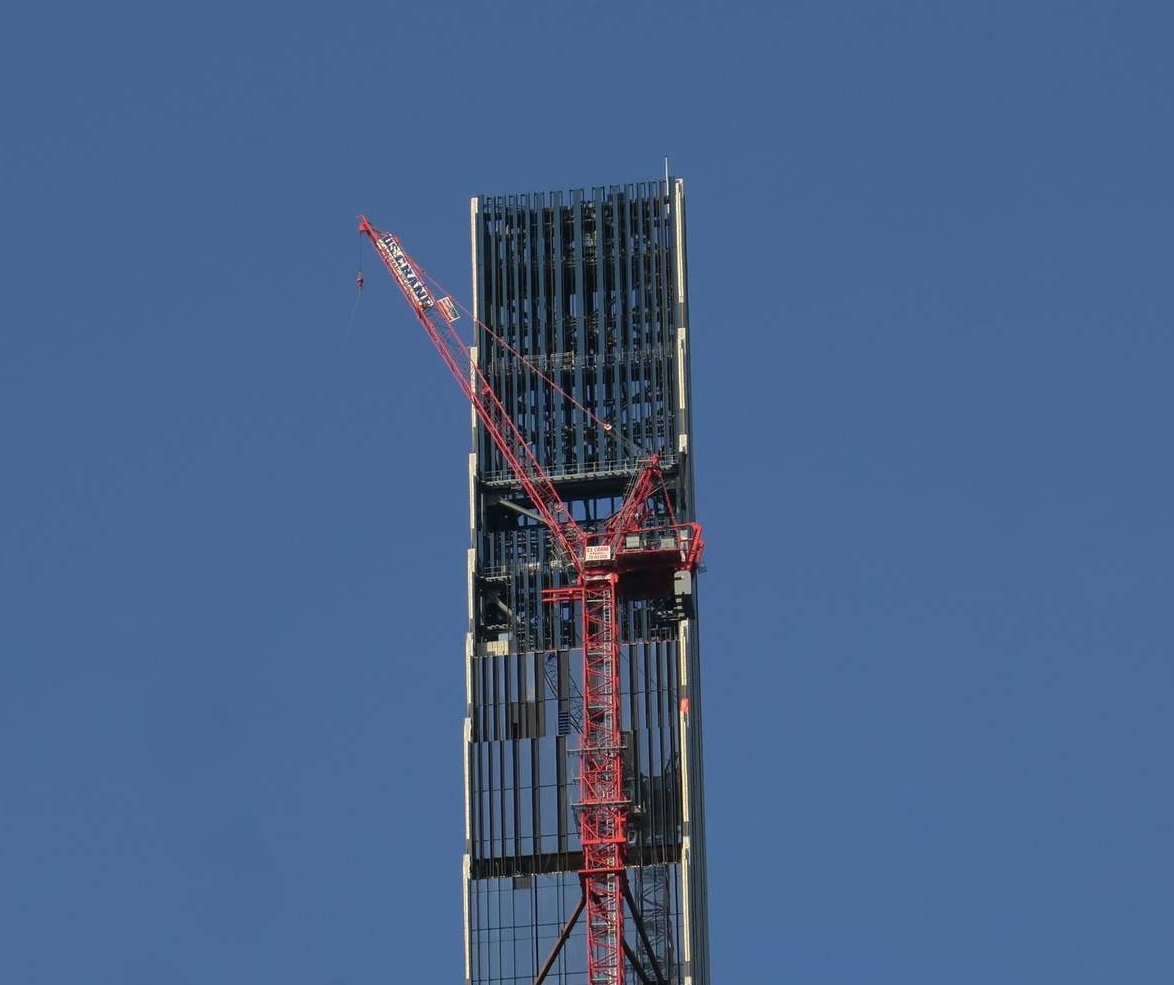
<point x="492" y="414"/>
<point x="636" y="555"/>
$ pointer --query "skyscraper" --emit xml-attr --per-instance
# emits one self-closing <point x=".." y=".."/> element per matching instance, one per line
<point x="589" y="290"/>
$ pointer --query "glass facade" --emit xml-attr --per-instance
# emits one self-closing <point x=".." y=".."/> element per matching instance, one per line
<point x="590" y="288"/>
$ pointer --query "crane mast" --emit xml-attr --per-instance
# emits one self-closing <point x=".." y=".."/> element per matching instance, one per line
<point x="637" y="554"/>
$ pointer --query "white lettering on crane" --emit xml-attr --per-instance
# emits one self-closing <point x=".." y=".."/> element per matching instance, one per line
<point x="404" y="272"/>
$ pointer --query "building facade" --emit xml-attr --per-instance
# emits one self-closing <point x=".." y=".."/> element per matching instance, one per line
<point x="589" y="291"/>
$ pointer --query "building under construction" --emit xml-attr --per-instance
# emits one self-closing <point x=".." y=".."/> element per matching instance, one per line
<point x="585" y="831"/>
<point x="591" y="288"/>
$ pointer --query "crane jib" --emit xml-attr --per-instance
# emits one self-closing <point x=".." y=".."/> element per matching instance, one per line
<point x="405" y="273"/>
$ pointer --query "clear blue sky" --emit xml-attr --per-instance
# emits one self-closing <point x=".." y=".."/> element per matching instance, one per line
<point x="934" y="336"/>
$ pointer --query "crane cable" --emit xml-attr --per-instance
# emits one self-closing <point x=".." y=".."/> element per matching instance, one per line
<point x="359" y="279"/>
<point x="607" y="428"/>
<point x="358" y="295"/>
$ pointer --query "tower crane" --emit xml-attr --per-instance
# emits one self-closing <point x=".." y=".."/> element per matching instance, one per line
<point x="638" y="553"/>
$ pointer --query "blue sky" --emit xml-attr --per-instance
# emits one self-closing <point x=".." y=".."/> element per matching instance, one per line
<point x="932" y="313"/>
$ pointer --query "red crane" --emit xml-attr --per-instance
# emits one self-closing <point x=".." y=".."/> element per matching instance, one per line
<point x="636" y="554"/>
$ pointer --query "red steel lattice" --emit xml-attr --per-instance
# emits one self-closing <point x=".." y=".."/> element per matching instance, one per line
<point x="637" y="552"/>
